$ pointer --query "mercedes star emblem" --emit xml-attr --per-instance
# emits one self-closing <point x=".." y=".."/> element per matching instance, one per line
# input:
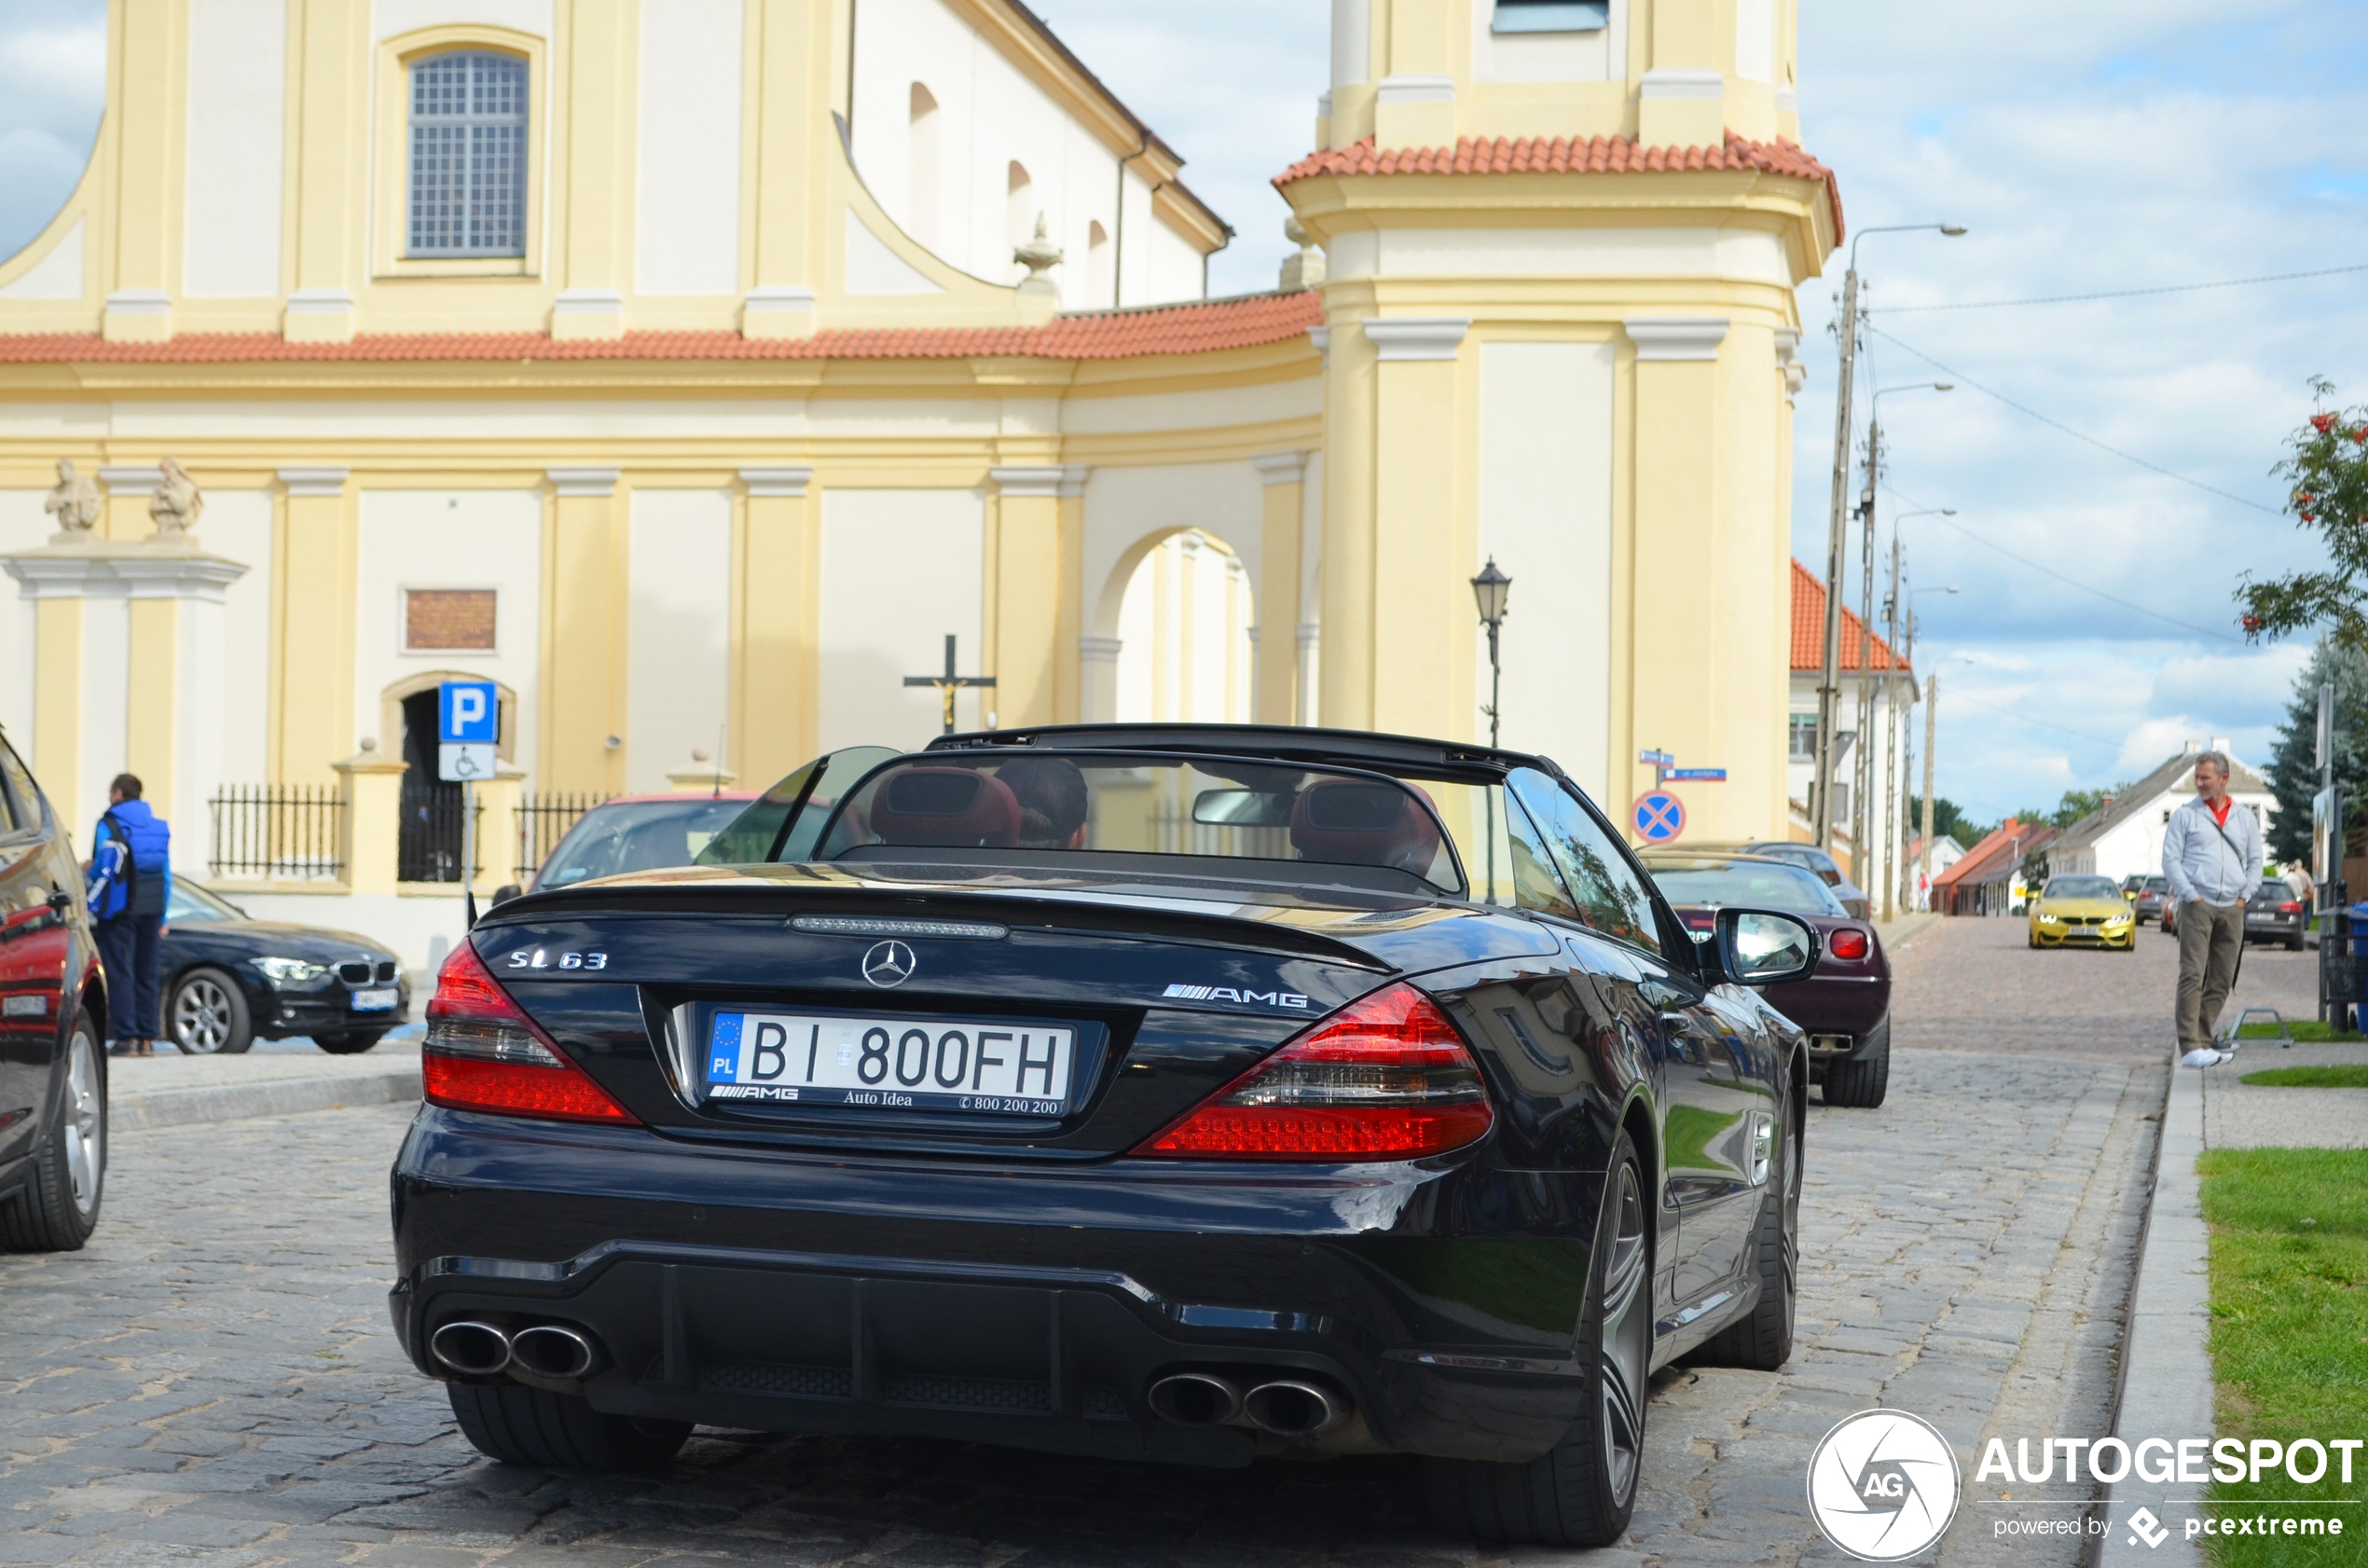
<point x="887" y="963"/>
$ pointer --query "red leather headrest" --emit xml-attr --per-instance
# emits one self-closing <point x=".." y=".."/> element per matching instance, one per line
<point x="1349" y="821"/>
<point x="939" y="807"/>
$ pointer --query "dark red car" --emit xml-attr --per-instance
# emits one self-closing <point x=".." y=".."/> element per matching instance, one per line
<point x="1845" y="1006"/>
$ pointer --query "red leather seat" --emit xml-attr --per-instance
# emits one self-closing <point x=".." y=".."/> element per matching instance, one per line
<point x="941" y="807"/>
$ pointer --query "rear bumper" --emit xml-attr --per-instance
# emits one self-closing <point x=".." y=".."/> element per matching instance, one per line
<point x="1030" y="1307"/>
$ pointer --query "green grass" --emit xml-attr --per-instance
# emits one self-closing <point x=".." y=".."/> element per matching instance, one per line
<point x="2340" y="1075"/>
<point x="2290" y="1331"/>
<point x="1691" y="1128"/>
<point x="2309" y="1030"/>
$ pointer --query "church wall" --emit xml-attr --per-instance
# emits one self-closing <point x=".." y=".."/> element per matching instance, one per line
<point x="237" y="524"/>
<point x="900" y="570"/>
<point x="394" y="18"/>
<point x="1129" y="509"/>
<point x="678" y="658"/>
<point x="23" y="525"/>
<point x="447" y="539"/>
<point x="687" y="194"/>
<point x="236" y="148"/>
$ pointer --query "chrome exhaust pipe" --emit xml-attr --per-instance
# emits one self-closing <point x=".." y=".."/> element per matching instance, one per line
<point x="1294" y="1410"/>
<point x="478" y="1349"/>
<point x="1194" y="1399"/>
<point x="554" y="1350"/>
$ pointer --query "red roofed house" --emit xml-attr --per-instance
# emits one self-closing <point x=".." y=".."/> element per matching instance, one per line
<point x="1873" y="775"/>
<point x="692" y="369"/>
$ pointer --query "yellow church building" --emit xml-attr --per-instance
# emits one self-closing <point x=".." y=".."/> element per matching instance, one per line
<point x="693" y="368"/>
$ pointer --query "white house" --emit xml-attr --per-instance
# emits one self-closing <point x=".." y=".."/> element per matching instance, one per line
<point x="2125" y="836"/>
<point x="1947" y="852"/>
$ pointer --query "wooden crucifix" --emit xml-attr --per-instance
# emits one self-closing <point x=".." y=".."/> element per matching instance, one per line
<point x="949" y="684"/>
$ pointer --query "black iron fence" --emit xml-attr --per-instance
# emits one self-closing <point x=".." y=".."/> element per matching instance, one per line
<point x="281" y="831"/>
<point x="544" y="819"/>
<point x="430" y="846"/>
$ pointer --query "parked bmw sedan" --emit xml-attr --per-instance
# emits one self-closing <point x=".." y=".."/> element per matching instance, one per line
<point x="1167" y="1092"/>
<point x="1845" y="1007"/>
<point x="231" y="980"/>
<point x="54" y="1030"/>
<point x="2076" y="910"/>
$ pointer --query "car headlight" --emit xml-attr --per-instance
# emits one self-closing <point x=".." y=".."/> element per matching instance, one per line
<point x="289" y="972"/>
<point x="2046" y="920"/>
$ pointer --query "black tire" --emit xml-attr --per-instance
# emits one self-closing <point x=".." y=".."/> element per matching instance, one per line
<point x="1582" y="1492"/>
<point x="57" y="1208"/>
<point x="522" y="1425"/>
<point x="1861" y="1082"/>
<point x="206" y="1014"/>
<point x="1763" y="1340"/>
<point x="2293" y="943"/>
<point x="348" y="1043"/>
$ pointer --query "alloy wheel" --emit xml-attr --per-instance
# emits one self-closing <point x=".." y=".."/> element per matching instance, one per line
<point x="86" y="1125"/>
<point x="201" y="1016"/>
<point x="1626" y="1345"/>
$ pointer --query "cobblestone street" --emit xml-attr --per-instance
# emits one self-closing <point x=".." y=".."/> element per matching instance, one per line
<point x="215" y="1380"/>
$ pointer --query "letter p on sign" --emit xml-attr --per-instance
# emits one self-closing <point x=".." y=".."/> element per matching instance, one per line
<point x="468" y="713"/>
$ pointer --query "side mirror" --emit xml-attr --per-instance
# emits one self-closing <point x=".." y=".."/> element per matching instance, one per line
<point x="60" y="900"/>
<point x="505" y="893"/>
<point x="1761" y="947"/>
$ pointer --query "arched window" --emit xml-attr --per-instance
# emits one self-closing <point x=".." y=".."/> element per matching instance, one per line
<point x="1097" y="263"/>
<point x="1019" y="213"/>
<point x="468" y="155"/>
<point x="921" y="149"/>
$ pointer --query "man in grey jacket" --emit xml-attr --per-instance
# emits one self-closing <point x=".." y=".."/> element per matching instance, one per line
<point x="2211" y="856"/>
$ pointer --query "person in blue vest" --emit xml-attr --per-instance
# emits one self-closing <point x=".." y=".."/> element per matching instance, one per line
<point x="130" y="885"/>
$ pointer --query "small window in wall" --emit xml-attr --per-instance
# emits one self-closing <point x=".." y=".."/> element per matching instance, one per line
<point x="1097" y="262"/>
<point x="448" y="620"/>
<point x="1551" y="16"/>
<point x="921" y="149"/>
<point x="468" y="156"/>
<point x="1019" y="219"/>
<point x="1801" y="743"/>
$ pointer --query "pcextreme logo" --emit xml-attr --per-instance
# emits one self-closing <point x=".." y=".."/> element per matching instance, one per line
<point x="1883" y="1485"/>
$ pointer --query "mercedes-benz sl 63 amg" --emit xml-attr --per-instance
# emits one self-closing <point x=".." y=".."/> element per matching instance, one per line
<point x="1162" y="1093"/>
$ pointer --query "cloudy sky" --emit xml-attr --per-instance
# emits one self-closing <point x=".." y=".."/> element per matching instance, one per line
<point x="2105" y="146"/>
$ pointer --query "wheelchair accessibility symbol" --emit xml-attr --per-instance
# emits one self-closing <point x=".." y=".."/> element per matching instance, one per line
<point x="1659" y="816"/>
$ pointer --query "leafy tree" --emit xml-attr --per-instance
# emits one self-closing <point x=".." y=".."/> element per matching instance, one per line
<point x="2294" y="763"/>
<point x="1948" y="820"/>
<point x="2078" y="804"/>
<point x="2327" y="480"/>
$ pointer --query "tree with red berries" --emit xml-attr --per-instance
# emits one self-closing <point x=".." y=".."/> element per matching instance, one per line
<point x="2327" y="478"/>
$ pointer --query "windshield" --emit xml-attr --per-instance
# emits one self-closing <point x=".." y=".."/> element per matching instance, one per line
<point x="1751" y="883"/>
<point x="637" y="835"/>
<point x="1040" y="807"/>
<point x="191" y="905"/>
<point x="2083" y="888"/>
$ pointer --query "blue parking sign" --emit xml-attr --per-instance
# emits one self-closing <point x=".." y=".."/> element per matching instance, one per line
<point x="468" y="711"/>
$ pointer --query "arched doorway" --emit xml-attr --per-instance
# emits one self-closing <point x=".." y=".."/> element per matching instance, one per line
<point x="428" y="843"/>
<point x="1185" y="634"/>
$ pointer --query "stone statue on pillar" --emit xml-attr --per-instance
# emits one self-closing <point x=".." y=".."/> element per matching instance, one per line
<point x="176" y="504"/>
<point x="74" y="503"/>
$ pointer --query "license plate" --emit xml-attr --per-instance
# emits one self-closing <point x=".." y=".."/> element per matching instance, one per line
<point x="892" y="1064"/>
<point x="374" y="1001"/>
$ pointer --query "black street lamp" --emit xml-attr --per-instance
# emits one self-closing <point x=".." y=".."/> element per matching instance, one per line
<point x="1490" y="589"/>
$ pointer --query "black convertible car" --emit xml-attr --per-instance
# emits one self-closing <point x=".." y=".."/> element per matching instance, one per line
<point x="1166" y="1092"/>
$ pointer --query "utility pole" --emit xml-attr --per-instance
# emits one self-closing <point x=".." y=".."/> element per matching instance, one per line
<point x="1892" y="780"/>
<point x="1862" y="813"/>
<point x="1931" y="708"/>
<point x="1820" y="800"/>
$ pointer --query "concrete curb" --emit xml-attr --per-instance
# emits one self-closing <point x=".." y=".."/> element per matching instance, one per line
<point x="1906" y="929"/>
<point x="2166" y="1367"/>
<point x="231" y="1101"/>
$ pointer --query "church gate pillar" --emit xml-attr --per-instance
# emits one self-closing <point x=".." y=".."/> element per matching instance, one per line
<point x="1275" y="689"/>
<point x="776" y="564"/>
<point x="584" y="642"/>
<point x="312" y="601"/>
<point x="1034" y="594"/>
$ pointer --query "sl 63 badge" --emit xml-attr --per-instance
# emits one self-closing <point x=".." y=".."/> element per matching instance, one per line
<point x="541" y="959"/>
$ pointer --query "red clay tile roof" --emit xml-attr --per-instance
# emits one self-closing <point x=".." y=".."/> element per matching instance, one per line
<point x="1200" y="328"/>
<point x="1568" y="155"/>
<point x="2003" y="839"/>
<point x="1809" y="629"/>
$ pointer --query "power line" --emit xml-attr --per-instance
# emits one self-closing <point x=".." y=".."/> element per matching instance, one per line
<point x="2077" y="436"/>
<point x="2111" y="294"/>
<point x="2051" y="571"/>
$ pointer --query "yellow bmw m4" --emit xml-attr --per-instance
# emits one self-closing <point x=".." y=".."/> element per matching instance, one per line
<point x="2083" y="912"/>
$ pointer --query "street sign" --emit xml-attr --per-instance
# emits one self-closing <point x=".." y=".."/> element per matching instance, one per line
<point x="1657" y="759"/>
<point x="1659" y="816"/>
<point x="463" y="762"/>
<point x="468" y="711"/>
<point x="1699" y="774"/>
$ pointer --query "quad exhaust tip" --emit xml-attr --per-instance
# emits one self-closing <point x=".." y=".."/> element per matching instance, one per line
<point x="478" y="1349"/>
<point x="552" y="1350"/>
<point x="1291" y="1408"/>
<point x="1195" y="1400"/>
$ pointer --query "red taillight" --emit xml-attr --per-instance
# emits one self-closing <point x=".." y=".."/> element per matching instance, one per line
<point x="2290" y="909"/>
<point x="1385" y="1078"/>
<point x="1848" y="944"/>
<point x="484" y="1053"/>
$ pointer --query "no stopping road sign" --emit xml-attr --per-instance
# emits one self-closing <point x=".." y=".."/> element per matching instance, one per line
<point x="1659" y="816"/>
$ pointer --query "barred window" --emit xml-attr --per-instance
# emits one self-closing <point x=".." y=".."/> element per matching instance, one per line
<point x="468" y="156"/>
